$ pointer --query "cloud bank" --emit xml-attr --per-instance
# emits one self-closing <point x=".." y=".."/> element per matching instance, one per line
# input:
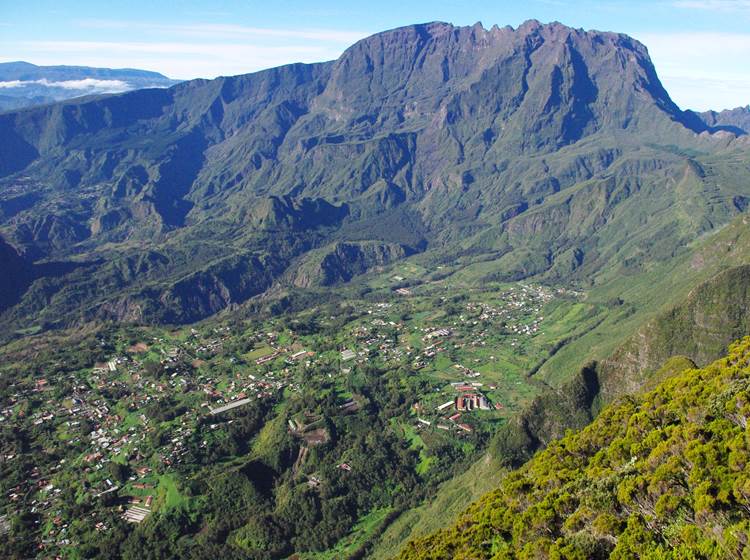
<point x="89" y="85"/>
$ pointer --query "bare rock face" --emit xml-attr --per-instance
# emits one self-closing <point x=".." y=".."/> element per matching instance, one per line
<point x="735" y="121"/>
<point x="546" y="144"/>
<point x="15" y="275"/>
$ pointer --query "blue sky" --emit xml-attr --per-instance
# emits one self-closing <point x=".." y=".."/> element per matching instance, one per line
<point x="701" y="48"/>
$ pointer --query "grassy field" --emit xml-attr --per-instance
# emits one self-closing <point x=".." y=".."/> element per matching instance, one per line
<point x="168" y="495"/>
<point x="362" y="532"/>
<point x="417" y="443"/>
<point x="645" y="293"/>
<point x="451" y="499"/>
<point x="259" y="352"/>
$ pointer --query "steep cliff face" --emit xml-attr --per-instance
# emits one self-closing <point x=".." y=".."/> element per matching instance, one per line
<point x="15" y="276"/>
<point x="554" y="146"/>
<point x="340" y="262"/>
<point x="697" y="331"/>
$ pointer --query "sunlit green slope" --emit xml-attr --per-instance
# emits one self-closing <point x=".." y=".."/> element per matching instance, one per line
<point x="661" y="475"/>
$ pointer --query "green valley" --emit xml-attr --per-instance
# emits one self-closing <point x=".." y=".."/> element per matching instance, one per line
<point x="658" y="475"/>
<point x="461" y="293"/>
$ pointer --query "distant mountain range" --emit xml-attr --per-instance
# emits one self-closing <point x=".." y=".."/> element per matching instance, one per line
<point x="735" y="120"/>
<point x="553" y="152"/>
<point x="23" y="84"/>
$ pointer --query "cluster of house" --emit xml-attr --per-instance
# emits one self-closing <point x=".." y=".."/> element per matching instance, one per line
<point x="519" y="308"/>
<point x="43" y="496"/>
<point x="436" y="333"/>
<point x="469" y="398"/>
<point x="138" y="509"/>
<point x="123" y="378"/>
<point x="466" y="372"/>
<point x="377" y="340"/>
<point x="87" y="418"/>
<point x="452" y="424"/>
<point x="105" y="414"/>
<point x="467" y="402"/>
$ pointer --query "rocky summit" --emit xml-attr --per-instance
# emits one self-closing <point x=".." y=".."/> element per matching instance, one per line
<point x="540" y="146"/>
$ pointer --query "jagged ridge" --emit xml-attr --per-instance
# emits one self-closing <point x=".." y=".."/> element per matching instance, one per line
<point x="543" y="144"/>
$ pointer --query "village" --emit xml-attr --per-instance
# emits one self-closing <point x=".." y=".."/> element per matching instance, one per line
<point x="127" y="424"/>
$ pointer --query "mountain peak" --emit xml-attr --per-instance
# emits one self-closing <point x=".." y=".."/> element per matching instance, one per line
<point x="736" y="121"/>
<point x="411" y="131"/>
<point x="598" y="76"/>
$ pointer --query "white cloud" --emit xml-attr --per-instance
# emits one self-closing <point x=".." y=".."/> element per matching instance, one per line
<point x="713" y="5"/>
<point x="222" y="30"/>
<point x="702" y="70"/>
<point x="87" y="84"/>
<point x="91" y="83"/>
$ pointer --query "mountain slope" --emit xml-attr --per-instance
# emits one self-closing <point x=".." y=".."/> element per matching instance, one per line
<point x="697" y="329"/>
<point x="734" y="120"/>
<point x="659" y="475"/>
<point x="714" y="314"/>
<point x="16" y="274"/>
<point x="552" y="150"/>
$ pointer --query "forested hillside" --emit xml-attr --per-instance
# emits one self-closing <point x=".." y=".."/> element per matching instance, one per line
<point x="553" y="152"/>
<point x="660" y="475"/>
<point x="313" y="312"/>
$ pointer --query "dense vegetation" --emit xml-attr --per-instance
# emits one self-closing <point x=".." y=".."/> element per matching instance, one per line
<point x="431" y="243"/>
<point x="556" y="155"/>
<point x="265" y="479"/>
<point x="660" y="475"/>
<point x="322" y="452"/>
